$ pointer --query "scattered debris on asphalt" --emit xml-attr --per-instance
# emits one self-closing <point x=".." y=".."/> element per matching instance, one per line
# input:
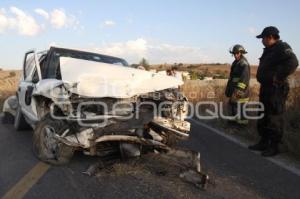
<point x="177" y="165"/>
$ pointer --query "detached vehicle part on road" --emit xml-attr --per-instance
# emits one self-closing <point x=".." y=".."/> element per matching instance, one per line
<point x="76" y="100"/>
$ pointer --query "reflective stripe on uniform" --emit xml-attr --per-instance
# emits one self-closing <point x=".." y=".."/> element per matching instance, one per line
<point x="241" y="85"/>
<point x="243" y="100"/>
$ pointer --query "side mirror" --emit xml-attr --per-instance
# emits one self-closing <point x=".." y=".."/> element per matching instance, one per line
<point x="28" y="95"/>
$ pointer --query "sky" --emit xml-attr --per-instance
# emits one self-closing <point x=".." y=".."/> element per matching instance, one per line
<point x="169" y="31"/>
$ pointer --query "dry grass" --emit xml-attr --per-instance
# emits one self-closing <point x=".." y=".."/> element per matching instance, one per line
<point x="8" y="84"/>
<point x="208" y="69"/>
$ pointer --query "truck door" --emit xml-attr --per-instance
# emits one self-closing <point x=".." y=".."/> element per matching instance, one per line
<point x="28" y="85"/>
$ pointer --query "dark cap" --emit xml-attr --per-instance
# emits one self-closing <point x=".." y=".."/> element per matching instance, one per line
<point x="271" y="30"/>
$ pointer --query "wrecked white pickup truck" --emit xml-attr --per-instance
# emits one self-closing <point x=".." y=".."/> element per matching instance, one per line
<point x="76" y="100"/>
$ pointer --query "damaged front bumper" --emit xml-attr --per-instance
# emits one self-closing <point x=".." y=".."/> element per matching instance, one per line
<point x="89" y="137"/>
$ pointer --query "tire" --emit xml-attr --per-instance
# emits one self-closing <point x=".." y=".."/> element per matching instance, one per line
<point x="20" y="123"/>
<point x="46" y="147"/>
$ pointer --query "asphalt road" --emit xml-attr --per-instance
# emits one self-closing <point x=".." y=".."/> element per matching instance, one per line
<point x="235" y="172"/>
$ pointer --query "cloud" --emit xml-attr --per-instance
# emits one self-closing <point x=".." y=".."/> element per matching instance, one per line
<point x="73" y="22"/>
<point x="109" y="23"/>
<point x="23" y="23"/>
<point x="58" y="18"/>
<point x="135" y="50"/>
<point x="3" y="21"/>
<point x="18" y="20"/>
<point x="42" y="13"/>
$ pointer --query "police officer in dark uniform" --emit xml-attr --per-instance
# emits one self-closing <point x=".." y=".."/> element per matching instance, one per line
<point x="276" y="63"/>
<point x="237" y="88"/>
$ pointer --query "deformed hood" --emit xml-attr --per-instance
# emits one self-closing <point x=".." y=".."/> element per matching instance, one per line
<point x="96" y="79"/>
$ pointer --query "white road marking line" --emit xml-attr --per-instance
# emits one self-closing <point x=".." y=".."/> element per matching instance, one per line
<point x="280" y="163"/>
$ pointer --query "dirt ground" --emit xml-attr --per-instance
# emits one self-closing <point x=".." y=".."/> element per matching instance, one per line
<point x="154" y="173"/>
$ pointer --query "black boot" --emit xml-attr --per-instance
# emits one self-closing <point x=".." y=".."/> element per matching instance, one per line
<point x="262" y="145"/>
<point x="272" y="150"/>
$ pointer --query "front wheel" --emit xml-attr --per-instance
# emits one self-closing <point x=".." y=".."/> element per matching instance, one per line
<point x="46" y="147"/>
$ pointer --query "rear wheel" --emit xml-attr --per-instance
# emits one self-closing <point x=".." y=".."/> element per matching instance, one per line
<point x="20" y="122"/>
<point x="46" y="147"/>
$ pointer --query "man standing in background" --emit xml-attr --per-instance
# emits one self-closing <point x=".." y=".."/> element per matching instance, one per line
<point x="276" y="63"/>
<point x="175" y="73"/>
<point x="237" y="88"/>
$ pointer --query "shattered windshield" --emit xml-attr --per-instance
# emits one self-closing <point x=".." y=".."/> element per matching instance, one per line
<point x="53" y="69"/>
<point x="91" y="57"/>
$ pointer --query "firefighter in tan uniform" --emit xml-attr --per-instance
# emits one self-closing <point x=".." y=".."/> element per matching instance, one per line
<point x="237" y="89"/>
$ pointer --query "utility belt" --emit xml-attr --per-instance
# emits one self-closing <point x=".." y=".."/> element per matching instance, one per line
<point x="275" y="84"/>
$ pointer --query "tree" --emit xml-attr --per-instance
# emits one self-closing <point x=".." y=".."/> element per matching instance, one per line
<point x="145" y="64"/>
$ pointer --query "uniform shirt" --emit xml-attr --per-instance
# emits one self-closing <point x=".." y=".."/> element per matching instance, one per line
<point x="178" y="75"/>
<point x="277" y="61"/>
<point x="239" y="77"/>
